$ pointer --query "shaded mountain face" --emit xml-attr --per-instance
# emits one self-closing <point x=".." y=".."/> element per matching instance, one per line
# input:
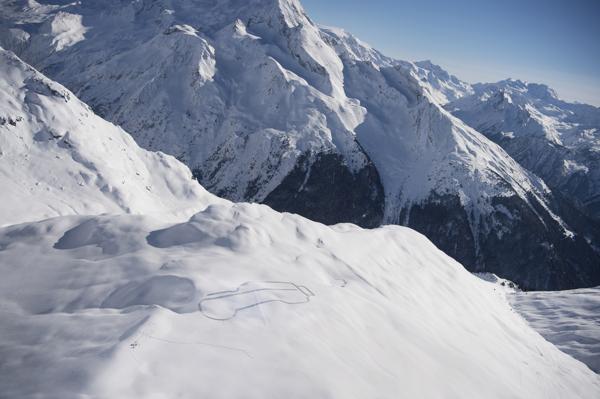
<point x="266" y="106"/>
<point x="557" y="140"/>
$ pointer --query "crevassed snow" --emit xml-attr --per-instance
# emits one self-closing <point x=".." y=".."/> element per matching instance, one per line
<point x="242" y="301"/>
<point x="58" y="158"/>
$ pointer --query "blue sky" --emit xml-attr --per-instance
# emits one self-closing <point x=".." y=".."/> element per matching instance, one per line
<point x="556" y="42"/>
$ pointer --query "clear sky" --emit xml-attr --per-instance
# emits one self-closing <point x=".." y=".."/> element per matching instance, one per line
<point x="556" y="42"/>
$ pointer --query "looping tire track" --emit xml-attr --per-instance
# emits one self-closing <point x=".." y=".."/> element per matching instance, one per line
<point x="223" y="295"/>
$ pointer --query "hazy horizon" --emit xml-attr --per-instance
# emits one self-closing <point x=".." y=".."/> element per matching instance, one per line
<point x="551" y="42"/>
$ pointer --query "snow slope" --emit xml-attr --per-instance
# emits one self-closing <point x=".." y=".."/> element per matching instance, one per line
<point x="242" y="301"/>
<point x="557" y="140"/>
<point x="568" y="319"/>
<point x="417" y="147"/>
<point x="58" y="158"/>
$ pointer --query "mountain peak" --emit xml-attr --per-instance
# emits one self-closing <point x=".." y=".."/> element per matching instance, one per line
<point x="541" y="91"/>
<point x="428" y="64"/>
<point x="443" y="86"/>
<point x="524" y="89"/>
<point x="511" y="83"/>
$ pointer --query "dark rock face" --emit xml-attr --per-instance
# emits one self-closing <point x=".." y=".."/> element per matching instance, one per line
<point x="537" y="252"/>
<point x="546" y="160"/>
<point x="444" y="221"/>
<point x="323" y="188"/>
<point x="519" y="241"/>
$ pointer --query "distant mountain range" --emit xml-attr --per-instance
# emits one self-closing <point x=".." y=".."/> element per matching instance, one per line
<point x="265" y="106"/>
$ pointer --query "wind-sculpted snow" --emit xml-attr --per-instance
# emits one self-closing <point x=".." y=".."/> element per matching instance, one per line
<point x="58" y="158"/>
<point x="265" y="106"/>
<point x="242" y="301"/>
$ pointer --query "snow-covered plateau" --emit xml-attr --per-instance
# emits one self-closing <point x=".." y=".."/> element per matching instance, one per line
<point x="266" y="106"/>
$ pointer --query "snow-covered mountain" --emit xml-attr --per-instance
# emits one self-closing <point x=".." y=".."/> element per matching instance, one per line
<point x="266" y="106"/>
<point x="557" y="140"/>
<point x="236" y="301"/>
<point x="244" y="92"/>
<point x="58" y="158"/>
<point x="451" y="183"/>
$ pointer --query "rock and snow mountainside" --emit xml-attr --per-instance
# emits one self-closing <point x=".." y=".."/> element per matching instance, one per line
<point x="557" y="140"/>
<point x="444" y="87"/>
<point x="58" y="158"/>
<point x="237" y="301"/>
<point x="244" y="92"/>
<point x="266" y="106"/>
<point x="449" y="182"/>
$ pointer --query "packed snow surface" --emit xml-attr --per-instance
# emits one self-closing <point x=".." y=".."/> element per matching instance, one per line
<point x="568" y="319"/>
<point x="242" y="301"/>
